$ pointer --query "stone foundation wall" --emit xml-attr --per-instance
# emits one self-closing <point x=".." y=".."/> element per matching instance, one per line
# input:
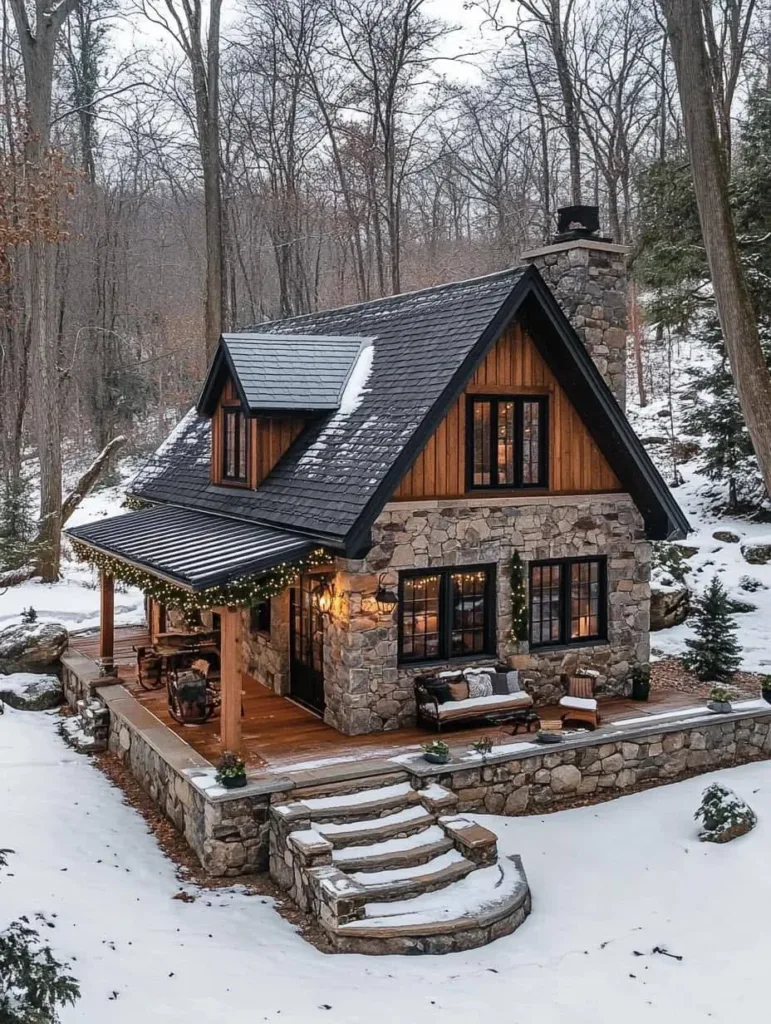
<point x="266" y="657"/>
<point x="366" y="688"/>
<point x="549" y="781"/>
<point x="588" y="279"/>
<point x="229" y="835"/>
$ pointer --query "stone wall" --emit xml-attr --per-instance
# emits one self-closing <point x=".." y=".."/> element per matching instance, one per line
<point x="588" y="279"/>
<point x="266" y="657"/>
<point x="584" y="770"/>
<point x="368" y="691"/>
<point x="228" y="834"/>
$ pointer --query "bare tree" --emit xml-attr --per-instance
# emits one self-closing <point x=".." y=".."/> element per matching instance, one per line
<point x="687" y="37"/>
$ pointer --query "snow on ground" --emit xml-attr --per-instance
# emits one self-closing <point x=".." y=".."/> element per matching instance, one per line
<point x="609" y="882"/>
<point x="74" y="600"/>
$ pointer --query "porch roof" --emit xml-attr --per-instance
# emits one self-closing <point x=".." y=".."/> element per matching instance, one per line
<point x="191" y="549"/>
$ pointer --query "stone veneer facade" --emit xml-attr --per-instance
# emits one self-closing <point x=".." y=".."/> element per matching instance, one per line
<point x="366" y="688"/>
<point x="588" y="279"/>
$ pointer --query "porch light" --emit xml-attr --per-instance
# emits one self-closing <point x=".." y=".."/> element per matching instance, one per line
<point x="322" y="597"/>
<point x="385" y="599"/>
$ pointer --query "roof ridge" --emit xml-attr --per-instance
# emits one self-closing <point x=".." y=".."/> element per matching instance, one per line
<point x="447" y="285"/>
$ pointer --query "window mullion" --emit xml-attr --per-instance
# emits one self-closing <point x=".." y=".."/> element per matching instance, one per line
<point x="566" y="578"/>
<point x="519" y="431"/>
<point x="493" y="442"/>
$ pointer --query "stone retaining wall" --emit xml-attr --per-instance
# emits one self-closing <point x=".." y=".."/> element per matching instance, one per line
<point x="581" y="770"/>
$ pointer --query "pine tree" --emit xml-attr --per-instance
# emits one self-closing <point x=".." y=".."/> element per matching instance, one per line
<point x="16" y="523"/>
<point x="714" y="654"/>
<point x="33" y="983"/>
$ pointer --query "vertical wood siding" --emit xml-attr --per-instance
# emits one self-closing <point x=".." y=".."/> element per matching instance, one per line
<point x="513" y="366"/>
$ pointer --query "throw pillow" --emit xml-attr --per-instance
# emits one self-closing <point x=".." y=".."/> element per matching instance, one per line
<point x="500" y="684"/>
<point x="458" y="690"/>
<point x="512" y="682"/>
<point x="480" y="686"/>
<point x="438" y="688"/>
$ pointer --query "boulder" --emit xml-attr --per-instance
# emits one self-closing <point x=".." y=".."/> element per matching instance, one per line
<point x="724" y="815"/>
<point x="32" y="646"/>
<point x="757" y="552"/>
<point x="726" y="536"/>
<point x="669" y="606"/>
<point x="27" y="691"/>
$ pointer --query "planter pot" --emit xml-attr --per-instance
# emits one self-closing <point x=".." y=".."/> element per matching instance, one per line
<point x="766" y="696"/>
<point x="234" y="782"/>
<point x="437" y="758"/>
<point x="641" y="690"/>
<point x="547" y="737"/>
<point x="720" y="707"/>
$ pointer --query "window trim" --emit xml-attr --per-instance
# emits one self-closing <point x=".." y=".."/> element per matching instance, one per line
<point x="543" y="448"/>
<point x="445" y="614"/>
<point x="234" y="481"/>
<point x="565" y="639"/>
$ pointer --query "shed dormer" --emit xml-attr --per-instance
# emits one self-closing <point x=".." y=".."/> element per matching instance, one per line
<point x="260" y="392"/>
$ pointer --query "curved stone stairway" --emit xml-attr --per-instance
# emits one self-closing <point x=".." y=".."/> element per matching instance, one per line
<point x="386" y="868"/>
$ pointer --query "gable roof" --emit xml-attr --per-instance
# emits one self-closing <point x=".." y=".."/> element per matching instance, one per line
<point x="335" y="478"/>
<point x="282" y="372"/>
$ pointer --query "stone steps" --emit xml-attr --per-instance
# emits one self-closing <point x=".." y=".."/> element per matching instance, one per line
<point x="485" y="905"/>
<point x="386" y="868"/>
<point x="413" y="880"/>
<point x="394" y="853"/>
<point x="359" y="806"/>
<point x="401" y="823"/>
<point x="347" y="786"/>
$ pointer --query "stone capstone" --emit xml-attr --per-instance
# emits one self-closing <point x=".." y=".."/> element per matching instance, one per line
<point x="32" y="646"/>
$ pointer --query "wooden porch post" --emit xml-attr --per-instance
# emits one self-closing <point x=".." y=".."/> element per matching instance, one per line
<point x="106" y="622"/>
<point x="230" y="682"/>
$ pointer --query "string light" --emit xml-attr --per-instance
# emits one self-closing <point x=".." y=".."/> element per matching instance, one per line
<point x="244" y="592"/>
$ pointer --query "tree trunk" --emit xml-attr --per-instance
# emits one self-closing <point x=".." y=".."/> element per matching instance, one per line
<point x="708" y="164"/>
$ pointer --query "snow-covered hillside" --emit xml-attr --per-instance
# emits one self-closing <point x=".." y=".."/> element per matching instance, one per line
<point x="611" y="884"/>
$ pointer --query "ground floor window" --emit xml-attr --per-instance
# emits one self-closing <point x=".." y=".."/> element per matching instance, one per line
<point x="446" y="613"/>
<point x="568" y="601"/>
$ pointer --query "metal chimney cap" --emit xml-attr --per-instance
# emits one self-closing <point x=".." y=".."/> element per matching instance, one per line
<point x="575" y="222"/>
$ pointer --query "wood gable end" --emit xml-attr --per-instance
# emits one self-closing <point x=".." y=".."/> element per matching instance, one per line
<point x="513" y="366"/>
<point x="269" y="437"/>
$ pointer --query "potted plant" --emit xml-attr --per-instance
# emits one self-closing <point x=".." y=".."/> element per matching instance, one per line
<point x="231" y="771"/>
<point x="719" y="700"/>
<point x="436" y="751"/>
<point x="547" y="736"/>
<point x="641" y="682"/>
<point x="483" y="745"/>
<point x="765" y="688"/>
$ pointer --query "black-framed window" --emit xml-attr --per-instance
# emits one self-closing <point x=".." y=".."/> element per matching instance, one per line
<point x="235" y="445"/>
<point x="507" y="441"/>
<point x="446" y="613"/>
<point x="568" y="601"/>
<point x="259" y="617"/>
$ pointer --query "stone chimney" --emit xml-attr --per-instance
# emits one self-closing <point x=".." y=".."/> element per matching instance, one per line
<point x="587" y="275"/>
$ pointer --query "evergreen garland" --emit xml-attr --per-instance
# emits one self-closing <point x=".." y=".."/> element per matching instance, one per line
<point x="714" y="654"/>
<point x="244" y="592"/>
<point x="519" y="616"/>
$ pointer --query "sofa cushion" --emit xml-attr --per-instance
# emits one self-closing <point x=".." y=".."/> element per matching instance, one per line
<point x="458" y="690"/>
<point x="579" y="703"/>
<point x="480" y="706"/>
<point x="500" y="684"/>
<point x="480" y="686"/>
<point x="512" y="681"/>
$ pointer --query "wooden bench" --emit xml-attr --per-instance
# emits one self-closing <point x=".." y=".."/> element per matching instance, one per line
<point x="434" y="713"/>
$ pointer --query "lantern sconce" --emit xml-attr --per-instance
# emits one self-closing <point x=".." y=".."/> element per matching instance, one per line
<point x="322" y="596"/>
<point x="385" y="599"/>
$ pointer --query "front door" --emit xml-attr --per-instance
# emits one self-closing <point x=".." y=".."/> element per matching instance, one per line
<point x="306" y="641"/>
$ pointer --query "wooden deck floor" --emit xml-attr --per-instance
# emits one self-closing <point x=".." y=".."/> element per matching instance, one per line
<point x="277" y="733"/>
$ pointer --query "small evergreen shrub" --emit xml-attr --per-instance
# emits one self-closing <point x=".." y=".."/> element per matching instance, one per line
<point x="483" y="745"/>
<point x="714" y="653"/>
<point x="724" y="815"/>
<point x="438" y="748"/>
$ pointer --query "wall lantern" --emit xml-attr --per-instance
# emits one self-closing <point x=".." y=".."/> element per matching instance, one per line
<point x="385" y="599"/>
<point x="322" y="596"/>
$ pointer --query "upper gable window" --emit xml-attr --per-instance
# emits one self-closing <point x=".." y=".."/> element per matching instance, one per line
<point x="235" y="445"/>
<point x="507" y="441"/>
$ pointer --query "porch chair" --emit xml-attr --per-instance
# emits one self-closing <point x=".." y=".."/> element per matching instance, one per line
<point x="579" y="704"/>
<point x="149" y="674"/>
<point x="192" y="699"/>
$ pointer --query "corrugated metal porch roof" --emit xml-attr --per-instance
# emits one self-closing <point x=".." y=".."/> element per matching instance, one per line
<point x="193" y="549"/>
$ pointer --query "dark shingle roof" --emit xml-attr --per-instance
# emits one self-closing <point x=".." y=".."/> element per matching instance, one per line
<point x="284" y="372"/>
<point x="194" y="549"/>
<point x="325" y="481"/>
<point x="344" y="466"/>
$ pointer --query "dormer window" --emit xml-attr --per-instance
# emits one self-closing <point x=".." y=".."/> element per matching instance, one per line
<point x="235" y="446"/>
